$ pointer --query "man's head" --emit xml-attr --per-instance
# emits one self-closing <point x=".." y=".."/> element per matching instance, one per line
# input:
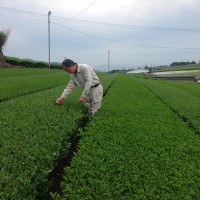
<point x="69" y="66"/>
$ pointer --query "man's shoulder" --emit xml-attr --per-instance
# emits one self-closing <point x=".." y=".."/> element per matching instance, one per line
<point x="83" y="67"/>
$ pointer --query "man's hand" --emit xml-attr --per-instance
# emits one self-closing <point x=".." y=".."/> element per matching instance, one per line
<point x="59" y="100"/>
<point x="82" y="100"/>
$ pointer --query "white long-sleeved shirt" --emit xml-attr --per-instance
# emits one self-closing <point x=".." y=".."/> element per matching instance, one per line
<point x="85" y="77"/>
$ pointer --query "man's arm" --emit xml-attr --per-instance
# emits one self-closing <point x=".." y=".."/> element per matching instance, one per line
<point x="70" y="87"/>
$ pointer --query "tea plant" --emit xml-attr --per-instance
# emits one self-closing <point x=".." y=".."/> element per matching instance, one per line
<point x="34" y="132"/>
<point x="134" y="148"/>
<point x="180" y="98"/>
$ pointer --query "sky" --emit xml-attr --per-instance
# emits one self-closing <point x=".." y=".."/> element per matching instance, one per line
<point x="106" y="34"/>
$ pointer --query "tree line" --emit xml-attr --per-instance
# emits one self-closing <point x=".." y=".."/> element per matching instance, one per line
<point x="182" y="63"/>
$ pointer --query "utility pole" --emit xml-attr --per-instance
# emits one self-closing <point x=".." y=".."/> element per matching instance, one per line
<point x="108" y="60"/>
<point x="49" y="13"/>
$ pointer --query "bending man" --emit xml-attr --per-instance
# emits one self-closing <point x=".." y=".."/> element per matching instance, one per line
<point x="83" y="76"/>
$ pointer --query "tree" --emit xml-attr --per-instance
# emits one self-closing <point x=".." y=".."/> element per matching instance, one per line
<point x="3" y="39"/>
<point x="193" y="63"/>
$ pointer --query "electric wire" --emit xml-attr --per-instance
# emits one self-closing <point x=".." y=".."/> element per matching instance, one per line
<point x="16" y="17"/>
<point x="107" y="25"/>
<point x="79" y="12"/>
<point x="96" y="23"/>
<point x="130" y="26"/>
<point x="22" y="11"/>
<point x="112" y="40"/>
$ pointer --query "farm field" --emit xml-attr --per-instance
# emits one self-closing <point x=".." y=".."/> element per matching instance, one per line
<point x="180" y="68"/>
<point x="18" y="82"/>
<point x="180" y="73"/>
<point x="35" y="131"/>
<point x="15" y="82"/>
<point x="189" y="87"/>
<point x="135" y="148"/>
<point x="181" y="97"/>
<point x="144" y="142"/>
<point x="191" y="71"/>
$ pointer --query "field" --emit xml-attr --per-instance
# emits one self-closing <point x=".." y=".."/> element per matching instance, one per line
<point x="179" y="68"/>
<point x="144" y="143"/>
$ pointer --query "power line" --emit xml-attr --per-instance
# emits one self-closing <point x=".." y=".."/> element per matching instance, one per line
<point x="131" y="26"/>
<point x="106" y="24"/>
<point x="101" y="23"/>
<point x="80" y="12"/>
<point x="23" y="18"/>
<point x="22" y="11"/>
<point x="111" y="40"/>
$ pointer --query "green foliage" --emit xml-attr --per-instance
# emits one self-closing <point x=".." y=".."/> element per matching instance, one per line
<point x="134" y="148"/>
<point x="26" y="63"/>
<point x="140" y="145"/>
<point x="34" y="130"/>
<point x="139" y="75"/>
<point x="12" y="87"/>
<point x="182" y="98"/>
<point x="17" y="82"/>
<point x="189" y="87"/>
<point x="16" y="72"/>
<point x="182" y="63"/>
<point x="31" y="63"/>
<point x="179" y="68"/>
<point x="55" y="196"/>
<point x="3" y="37"/>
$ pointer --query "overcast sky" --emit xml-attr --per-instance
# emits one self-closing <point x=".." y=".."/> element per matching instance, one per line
<point x="136" y="32"/>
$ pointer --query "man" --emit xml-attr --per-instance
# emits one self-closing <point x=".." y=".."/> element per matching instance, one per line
<point x="83" y="76"/>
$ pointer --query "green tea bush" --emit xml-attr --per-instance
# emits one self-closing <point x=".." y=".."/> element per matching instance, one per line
<point x="184" y="100"/>
<point x="35" y="131"/>
<point x="135" y="147"/>
<point x="12" y="87"/>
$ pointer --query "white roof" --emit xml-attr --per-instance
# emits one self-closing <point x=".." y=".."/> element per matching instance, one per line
<point x="138" y="71"/>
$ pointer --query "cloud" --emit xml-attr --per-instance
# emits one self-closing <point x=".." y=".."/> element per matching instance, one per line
<point x="90" y="42"/>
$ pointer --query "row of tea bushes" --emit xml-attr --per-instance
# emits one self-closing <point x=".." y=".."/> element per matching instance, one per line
<point x="182" y="99"/>
<point x="16" y="72"/>
<point x="18" y="82"/>
<point x="187" y="86"/>
<point x="15" y="86"/>
<point x="134" y="148"/>
<point x="34" y="131"/>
